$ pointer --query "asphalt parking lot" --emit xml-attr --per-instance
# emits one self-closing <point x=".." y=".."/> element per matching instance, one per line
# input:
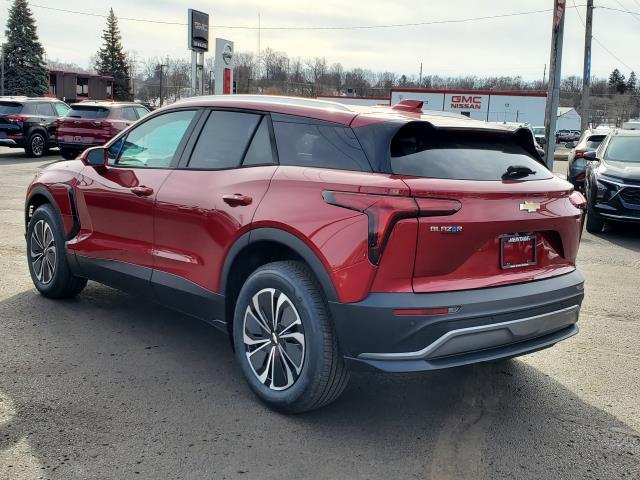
<point x="109" y="386"/>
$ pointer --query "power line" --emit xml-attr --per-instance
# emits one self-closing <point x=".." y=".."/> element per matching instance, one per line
<point x="613" y="55"/>
<point x="633" y="15"/>
<point x="351" y="27"/>
<point x="623" y="10"/>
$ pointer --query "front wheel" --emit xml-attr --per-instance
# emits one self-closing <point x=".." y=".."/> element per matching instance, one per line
<point x="593" y="224"/>
<point x="46" y="256"/>
<point x="285" y="340"/>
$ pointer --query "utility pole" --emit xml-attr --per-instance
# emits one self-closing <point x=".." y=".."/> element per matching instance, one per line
<point x="420" y="80"/>
<point x="161" y="76"/>
<point x="586" y="75"/>
<point x="2" y="70"/>
<point x="544" y="74"/>
<point x="553" y="91"/>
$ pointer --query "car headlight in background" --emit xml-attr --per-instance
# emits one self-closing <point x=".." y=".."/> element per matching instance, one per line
<point x="605" y="188"/>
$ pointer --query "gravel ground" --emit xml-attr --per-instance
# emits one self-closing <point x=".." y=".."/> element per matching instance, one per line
<point x="109" y="386"/>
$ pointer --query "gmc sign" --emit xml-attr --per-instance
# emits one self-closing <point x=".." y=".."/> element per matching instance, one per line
<point x="466" y="102"/>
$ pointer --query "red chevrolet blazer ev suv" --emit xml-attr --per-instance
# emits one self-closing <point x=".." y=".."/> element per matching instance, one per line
<point x="321" y="237"/>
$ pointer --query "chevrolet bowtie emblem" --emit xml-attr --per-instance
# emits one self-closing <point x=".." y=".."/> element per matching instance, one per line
<point x="530" y="207"/>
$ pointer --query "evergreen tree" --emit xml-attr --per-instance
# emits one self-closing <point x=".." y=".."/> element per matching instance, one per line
<point x="617" y="82"/>
<point x="25" y="70"/>
<point x="111" y="59"/>
<point x="631" y="83"/>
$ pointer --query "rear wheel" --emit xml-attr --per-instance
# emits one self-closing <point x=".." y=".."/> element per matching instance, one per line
<point x="46" y="254"/>
<point x="36" y="145"/>
<point x="68" y="154"/>
<point x="285" y="340"/>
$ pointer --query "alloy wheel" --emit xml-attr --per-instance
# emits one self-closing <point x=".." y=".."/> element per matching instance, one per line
<point x="274" y="339"/>
<point x="37" y="145"/>
<point x="43" y="252"/>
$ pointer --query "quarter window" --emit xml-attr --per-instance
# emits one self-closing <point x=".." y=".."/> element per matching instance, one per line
<point x="223" y="140"/>
<point x="321" y="146"/>
<point x="153" y="144"/>
<point x="260" y="152"/>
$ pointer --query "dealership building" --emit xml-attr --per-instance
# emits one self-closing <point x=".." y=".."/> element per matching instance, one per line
<point x="487" y="105"/>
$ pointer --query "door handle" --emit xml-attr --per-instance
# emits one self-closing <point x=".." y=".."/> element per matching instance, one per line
<point x="237" y="199"/>
<point x="142" y="191"/>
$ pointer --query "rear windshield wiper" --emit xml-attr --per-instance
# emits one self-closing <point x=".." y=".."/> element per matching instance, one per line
<point x="517" y="171"/>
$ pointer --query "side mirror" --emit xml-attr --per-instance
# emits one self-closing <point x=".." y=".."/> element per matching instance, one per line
<point x="95" y="157"/>
<point x="590" y="156"/>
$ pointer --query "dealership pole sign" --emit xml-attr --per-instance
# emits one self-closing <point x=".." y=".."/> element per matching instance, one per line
<point x="223" y="67"/>
<point x="198" y="31"/>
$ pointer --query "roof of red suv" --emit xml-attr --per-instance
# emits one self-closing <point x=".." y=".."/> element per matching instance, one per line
<point x="355" y="116"/>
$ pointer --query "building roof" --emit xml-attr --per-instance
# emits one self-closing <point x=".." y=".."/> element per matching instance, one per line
<point x="564" y="110"/>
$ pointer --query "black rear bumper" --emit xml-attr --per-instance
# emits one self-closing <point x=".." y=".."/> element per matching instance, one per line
<point x="486" y="324"/>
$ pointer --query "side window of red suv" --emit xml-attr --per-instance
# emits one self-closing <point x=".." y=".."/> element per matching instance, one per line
<point x="224" y="139"/>
<point x="319" y="145"/>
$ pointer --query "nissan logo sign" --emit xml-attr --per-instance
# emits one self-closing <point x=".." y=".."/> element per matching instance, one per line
<point x="227" y="54"/>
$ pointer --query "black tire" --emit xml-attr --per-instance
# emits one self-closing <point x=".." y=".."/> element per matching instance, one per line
<point x="594" y="224"/>
<point x="36" y="145"/>
<point x="323" y="374"/>
<point x="68" y="154"/>
<point x="53" y="278"/>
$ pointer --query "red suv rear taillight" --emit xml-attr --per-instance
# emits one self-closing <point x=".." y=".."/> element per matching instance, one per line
<point x="384" y="211"/>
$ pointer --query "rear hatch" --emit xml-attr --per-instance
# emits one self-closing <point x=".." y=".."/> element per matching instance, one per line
<point x="85" y="125"/>
<point x="516" y="222"/>
<point x="10" y="118"/>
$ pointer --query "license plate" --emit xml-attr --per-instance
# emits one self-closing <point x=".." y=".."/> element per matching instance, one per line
<point x="518" y="251"/>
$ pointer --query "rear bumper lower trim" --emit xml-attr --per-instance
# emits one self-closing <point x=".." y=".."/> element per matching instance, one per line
<point x="484" y="337"/>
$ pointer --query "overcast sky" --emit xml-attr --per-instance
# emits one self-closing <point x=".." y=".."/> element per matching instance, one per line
<point x="504" y="46"/>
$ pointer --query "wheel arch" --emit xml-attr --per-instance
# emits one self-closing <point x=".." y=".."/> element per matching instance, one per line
<point x="264" y="245"/>
<point x="41" y="195"/>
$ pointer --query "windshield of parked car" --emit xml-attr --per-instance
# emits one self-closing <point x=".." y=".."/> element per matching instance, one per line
<point x="418" y="150"/>
<point x="623" y="149"/>
<point x="78" y="111"/>
<point x="8" y="108"/>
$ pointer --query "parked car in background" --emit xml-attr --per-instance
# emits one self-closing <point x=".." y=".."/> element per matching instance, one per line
<point x="612" y="184"/>
<point x="538" y="133"/>
<point x="517" y="125"/>
<point x="88" y="124"/>
<point x="567" y="135"/>
<point x="577" y="164"/>
<point x="633" y="124"/>
<point x="321" y="236"/>
<point x="30" y="123"/>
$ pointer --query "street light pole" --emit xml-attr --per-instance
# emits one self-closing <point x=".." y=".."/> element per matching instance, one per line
<point x="586" y="75"/>
<point x="2" y="70"/>
<point x="555" y="71"/>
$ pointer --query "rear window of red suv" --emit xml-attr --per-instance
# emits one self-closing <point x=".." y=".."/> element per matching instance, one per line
<point x="421" y="151"/>
<point x="78" y="111"/>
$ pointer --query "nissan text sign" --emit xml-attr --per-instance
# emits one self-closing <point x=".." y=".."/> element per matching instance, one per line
<point x="198" y="31"/>
<point x="466" y="102"/>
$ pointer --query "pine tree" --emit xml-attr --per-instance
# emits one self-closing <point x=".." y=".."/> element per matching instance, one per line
<point x="617" y="82"/>
<point x="111" y="59"/>
<point x="631" y="83"/>
<point x="25" y="70"/>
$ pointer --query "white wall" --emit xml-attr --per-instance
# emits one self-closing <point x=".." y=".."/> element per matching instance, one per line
<point x="492" y="107"/>
<point x="568" y="121"/>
